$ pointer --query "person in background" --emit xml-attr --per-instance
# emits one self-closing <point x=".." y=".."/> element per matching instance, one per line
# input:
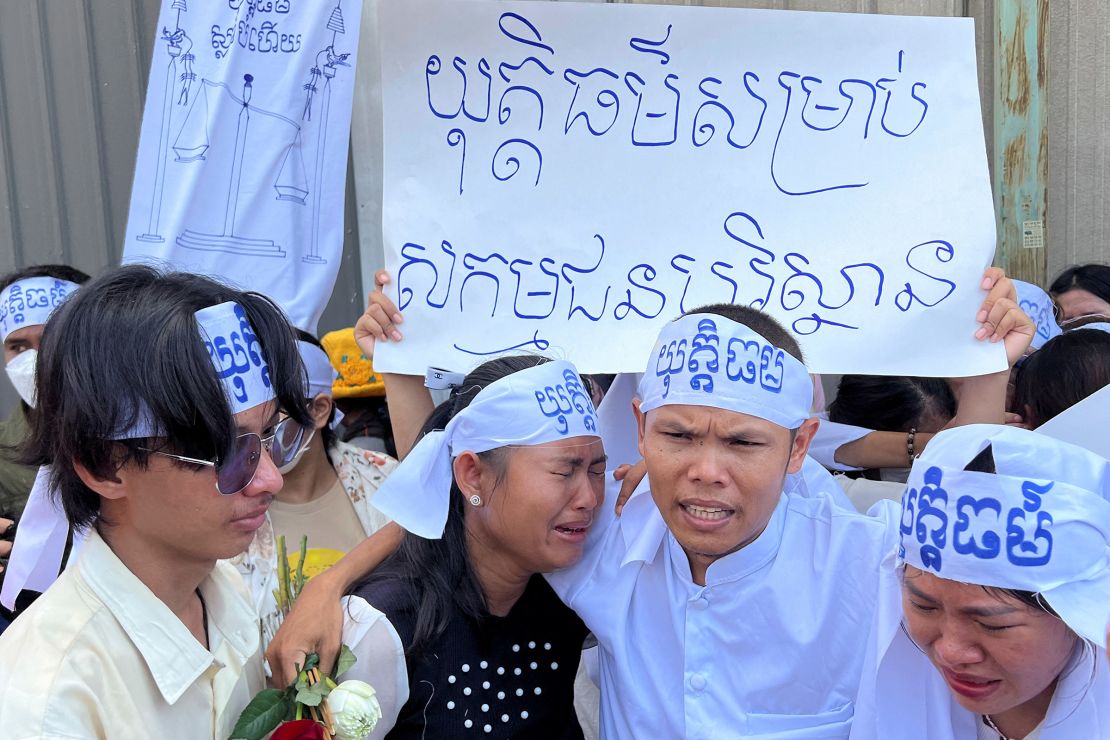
<point x="360" y="395"/>
<point x="1038" y="306"/>
<point x="991" y="620"/>
<point x="1060" y="374"/>
<point x="27" y="298"/>
<point x="158" y="395"/>
<point x="879" y="423"/>
<point x="1081" y="290"/>
<point x="327" y="494"/>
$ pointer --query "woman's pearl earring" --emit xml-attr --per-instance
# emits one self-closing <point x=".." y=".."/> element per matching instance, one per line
<point x="475" y="500"/>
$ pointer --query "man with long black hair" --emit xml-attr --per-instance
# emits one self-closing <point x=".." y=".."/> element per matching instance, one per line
<point x="158" y="400"/>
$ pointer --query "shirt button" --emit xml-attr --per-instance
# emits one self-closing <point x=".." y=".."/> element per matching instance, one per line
<point x="701" y="603"/>
<point x="697" y="682"/>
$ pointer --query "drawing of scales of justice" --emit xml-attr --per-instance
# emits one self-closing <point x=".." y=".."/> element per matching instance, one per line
<point x="193" y="144"/>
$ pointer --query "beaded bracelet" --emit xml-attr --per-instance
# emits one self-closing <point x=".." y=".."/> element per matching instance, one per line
<point x="910" y="452"/>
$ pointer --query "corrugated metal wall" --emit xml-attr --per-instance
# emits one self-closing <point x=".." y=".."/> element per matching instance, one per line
<point x="1078" y="133"/>
<point x="73" y="77"/>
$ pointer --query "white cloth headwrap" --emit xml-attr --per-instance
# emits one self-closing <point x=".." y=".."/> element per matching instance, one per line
<point x="529" y="407"/>
<point x="236" y="355"/>
<point x="1038" y="306"/>
<point x="237" y="358"/>
<point x="318" y="367"/>
<point x="708" y="360"/>
<point x="1041" y="524"/>
<point x="1100" y="325"/>
<point x="30" y="302"/>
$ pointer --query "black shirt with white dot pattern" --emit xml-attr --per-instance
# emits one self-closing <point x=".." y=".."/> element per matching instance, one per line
<point x="508" y="677"/>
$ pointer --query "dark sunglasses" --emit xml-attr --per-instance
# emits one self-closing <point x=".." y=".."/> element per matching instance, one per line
<point x="236" y="469"/>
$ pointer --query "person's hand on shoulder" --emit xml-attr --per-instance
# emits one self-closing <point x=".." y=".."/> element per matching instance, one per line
<point x="630" y="477"/>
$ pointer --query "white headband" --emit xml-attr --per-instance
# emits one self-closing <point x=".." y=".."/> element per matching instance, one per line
<point x="1099" y="325"/>
<point x="1041" y="524"/>
<point x="30" y="302"/>
<point x="236" y="355"/>
<point x="708" y="360"/>
<point x="1038" y="306"/>
<point x="542" y="404"/>
<point x="320" y="372"/>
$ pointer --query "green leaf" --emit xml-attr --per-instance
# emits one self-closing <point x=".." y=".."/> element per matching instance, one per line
<point x="261" y="716"/>
<point x="311" y="661"/>
<point x="344" y="662"/>
<point x="313" y="695"/>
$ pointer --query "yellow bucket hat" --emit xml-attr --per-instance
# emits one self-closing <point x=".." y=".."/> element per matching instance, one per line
<point x="357" y="378"/>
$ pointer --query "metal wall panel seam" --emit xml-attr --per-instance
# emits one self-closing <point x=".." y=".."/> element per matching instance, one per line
<point x="63" y="244"/>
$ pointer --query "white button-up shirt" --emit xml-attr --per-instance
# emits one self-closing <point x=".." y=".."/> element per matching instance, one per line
<point x="771" y="646"/>
<point x="100" y="656"/>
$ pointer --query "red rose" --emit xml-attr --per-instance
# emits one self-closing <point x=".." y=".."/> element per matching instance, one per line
<point x="301" y="729"/>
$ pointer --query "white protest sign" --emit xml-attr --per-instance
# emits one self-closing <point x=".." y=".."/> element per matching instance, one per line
<point x="1081" y="424"/>
<point x="565" y="178"/>
<point x="242" y="161"/>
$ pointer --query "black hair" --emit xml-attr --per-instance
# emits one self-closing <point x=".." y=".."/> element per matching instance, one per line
<point x="327" y="434"/>
<point x="1063" y="372"/>
<point x="891" y="404"/>
<point x="439" y="571"/>
<point x="761" y="323"/>
<point x="1093" y="278"/>
<point x="60" y="272"/>
<point x="124" y="350"/>
<point x="984" y="463"/>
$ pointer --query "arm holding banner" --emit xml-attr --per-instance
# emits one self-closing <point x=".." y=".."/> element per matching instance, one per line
<point x="409" y="401"/>
<point x="981" y="399"/>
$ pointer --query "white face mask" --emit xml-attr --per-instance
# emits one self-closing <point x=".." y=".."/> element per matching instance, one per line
<point x="288" y="467"/>
<point x="21" y="371"/>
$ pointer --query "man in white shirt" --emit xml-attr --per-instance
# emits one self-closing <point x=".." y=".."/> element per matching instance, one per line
<point x="158" y="398"/>
<point x="743" y="610"/>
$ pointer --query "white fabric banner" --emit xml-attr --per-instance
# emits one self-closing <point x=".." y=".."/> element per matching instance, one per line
<point x="565" y="178"/>
<point x="242" y="161"/>
<point x="1081" y="424"/>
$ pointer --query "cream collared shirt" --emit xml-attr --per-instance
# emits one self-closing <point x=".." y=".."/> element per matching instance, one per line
<point x="100" y="656"/>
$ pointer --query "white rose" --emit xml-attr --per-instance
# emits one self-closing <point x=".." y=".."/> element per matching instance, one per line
<point x="355" y="709"/>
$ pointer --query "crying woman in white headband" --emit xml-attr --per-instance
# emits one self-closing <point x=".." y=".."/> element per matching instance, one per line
<point x="992" y="612"/>
<point x="462" y="633"/>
